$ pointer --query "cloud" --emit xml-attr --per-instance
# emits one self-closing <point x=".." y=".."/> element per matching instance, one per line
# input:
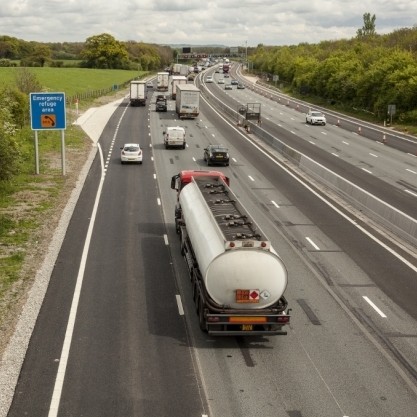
<point x="192" y="22"/>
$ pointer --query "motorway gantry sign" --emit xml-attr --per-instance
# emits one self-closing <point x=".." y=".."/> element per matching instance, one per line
<point x="47" y="111"/>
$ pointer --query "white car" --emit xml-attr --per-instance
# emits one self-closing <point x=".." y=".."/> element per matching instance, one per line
<point x="209" y="79"/>
<point x="315" y="117"/>
<point x="220" y="81"/>
<point x="131" y="152"/>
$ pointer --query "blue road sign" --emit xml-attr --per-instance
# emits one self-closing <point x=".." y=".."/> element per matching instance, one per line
<point x="47" y="111"/>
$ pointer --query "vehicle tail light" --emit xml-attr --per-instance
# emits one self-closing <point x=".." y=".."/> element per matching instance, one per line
<point x="283" y="319"/>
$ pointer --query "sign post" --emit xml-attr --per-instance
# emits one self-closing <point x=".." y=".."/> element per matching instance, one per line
<point x="47" y="112"/>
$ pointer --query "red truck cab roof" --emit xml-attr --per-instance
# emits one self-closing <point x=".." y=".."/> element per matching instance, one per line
<point x="186" y="176"/>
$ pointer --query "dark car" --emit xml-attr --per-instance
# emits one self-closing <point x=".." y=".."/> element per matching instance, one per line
<point x="161" y="106"/>
<point x="240" y="86"/>
<point x="216" y="154"/>
<point x="234" y="82"/>
<point x="161" y="103"/>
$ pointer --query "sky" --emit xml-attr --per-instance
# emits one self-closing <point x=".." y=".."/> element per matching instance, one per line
<point x="196" y="22"/>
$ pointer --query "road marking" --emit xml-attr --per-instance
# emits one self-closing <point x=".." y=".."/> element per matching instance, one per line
<point x="312" y="243"/>
<point x="410" y="170"/>
<point x="166" y="239"/>
<point x="59" y="381"/>
<point x="154" y="176"/>
<point x="159" y="201"/>
<point x="410" y="192"/>
<point x="251" y="178"/>
<point x="234" y="160"/>
<point x="372" y="154"/>
<point x="63" y="361"/>
<point x="346" y="143"/>
<point x="374" y="306"/>
<point x="179" y="304"/>
<point x="335" y="154"/>
<point x="367" y="170"/>
<point x="274" y="203"/>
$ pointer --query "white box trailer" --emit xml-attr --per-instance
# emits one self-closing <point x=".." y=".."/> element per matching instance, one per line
<point x="175" y="80"/>
<point x="176" y="69"/>
<point x="184" y="70"/>
<point x="138" y="93"/>
<point x="187" y="101"/>
<point x="162" y="81"/>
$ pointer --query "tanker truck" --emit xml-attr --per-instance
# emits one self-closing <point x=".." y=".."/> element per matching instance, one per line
<point x="238" y="280"/>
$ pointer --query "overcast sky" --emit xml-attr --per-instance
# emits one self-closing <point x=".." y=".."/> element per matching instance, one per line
<point x="197" y="22"/>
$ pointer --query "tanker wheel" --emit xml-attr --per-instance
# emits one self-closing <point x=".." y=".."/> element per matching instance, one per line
<point x="195" y="292"/>
<point x="201" y="320"/>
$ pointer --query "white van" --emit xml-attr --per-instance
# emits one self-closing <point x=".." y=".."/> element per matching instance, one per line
<point x="174" y="137"/>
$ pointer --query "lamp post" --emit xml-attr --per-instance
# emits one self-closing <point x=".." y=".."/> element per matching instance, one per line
<point x="246" y="55"/>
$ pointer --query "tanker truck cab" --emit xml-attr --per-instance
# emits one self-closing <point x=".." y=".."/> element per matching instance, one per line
<point x="238" y="280"/>
<point x="180" y="180"/>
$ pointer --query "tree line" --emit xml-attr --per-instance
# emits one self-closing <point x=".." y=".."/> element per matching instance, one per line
<point x="101" y="51"/>
<point x="368" y="72"/>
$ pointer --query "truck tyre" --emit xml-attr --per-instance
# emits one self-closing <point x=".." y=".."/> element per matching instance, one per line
<point x="201" y="320"/>
<point x="183" y="145"/>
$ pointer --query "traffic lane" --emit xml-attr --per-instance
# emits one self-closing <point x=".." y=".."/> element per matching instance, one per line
<point x="402" y="142"/>
<point x="44" y="350"/>
<point x="393" y="195"/>
<point x="130" y="350"/>
<point x="238" y="366"/>
<point x="374" y="259"/>
<point x="377" y="186"/>
<point x="374" y="158"/>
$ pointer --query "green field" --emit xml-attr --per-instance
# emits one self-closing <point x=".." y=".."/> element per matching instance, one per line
<point x="72" y="81"/>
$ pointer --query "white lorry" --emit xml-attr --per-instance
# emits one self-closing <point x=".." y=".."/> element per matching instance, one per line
<point x="162" y="81"/>
<point x="176" y="69"/>
<point x="175" y="80"/>
<point x="187" y="101"/>
<point x="138" y="93"/>
<point x="237" y="278"/>
<point x="174" y="137"/>
<point x="184" y="70"/>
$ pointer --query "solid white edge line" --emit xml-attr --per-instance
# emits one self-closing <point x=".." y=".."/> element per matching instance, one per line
<point x="179" y="304"/>
<point x="63" y="361"/>
<point x="166" y="239"/>
<point x="374" y="306"/>
<point x="59" y="381"/>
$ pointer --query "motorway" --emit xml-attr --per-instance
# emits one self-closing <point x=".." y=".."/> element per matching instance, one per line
<point x="130" y="341"/>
